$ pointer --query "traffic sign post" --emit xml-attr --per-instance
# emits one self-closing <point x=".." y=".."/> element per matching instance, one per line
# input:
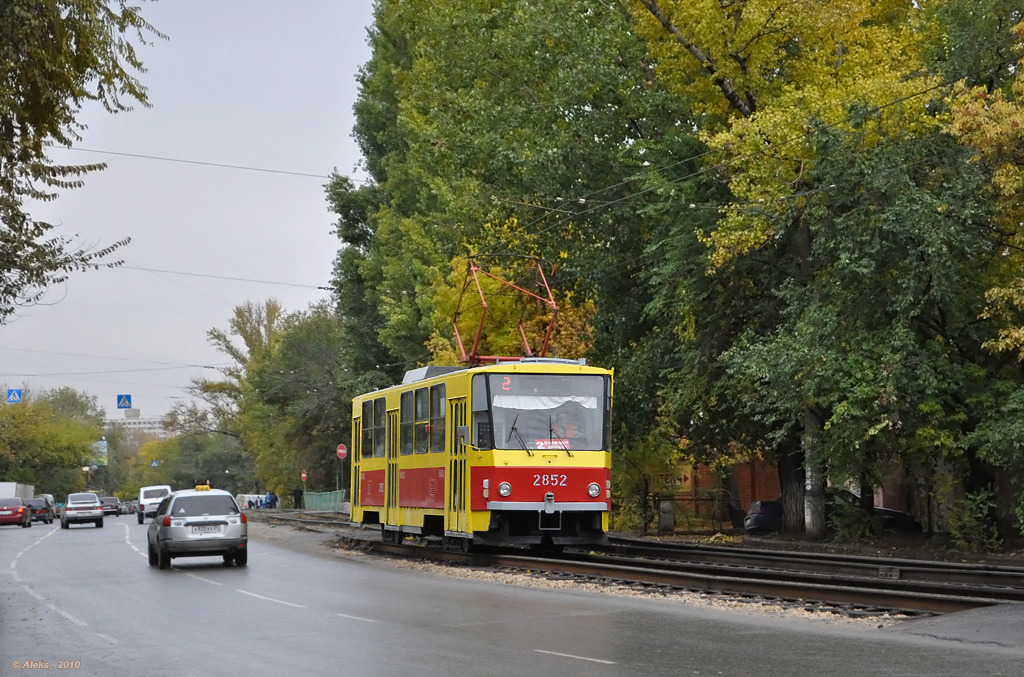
<point x="342" y="453"/>
<point x="303" y="475"/>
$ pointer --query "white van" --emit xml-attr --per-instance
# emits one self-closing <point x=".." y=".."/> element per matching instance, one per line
<point x="150" y="498"/>
<point x="243" y="500"/>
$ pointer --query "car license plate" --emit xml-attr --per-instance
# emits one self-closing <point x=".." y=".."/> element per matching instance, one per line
<point x="6" y="512"/>
<point x="205" y="530"/>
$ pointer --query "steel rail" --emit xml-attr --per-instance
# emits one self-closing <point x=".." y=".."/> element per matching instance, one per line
<point x="883" y="568"/>
<point x="823" y="592"/>
<point x="829" y="579"/>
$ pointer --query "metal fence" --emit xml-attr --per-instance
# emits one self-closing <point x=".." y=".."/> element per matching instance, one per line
<point x="328" y="501"/>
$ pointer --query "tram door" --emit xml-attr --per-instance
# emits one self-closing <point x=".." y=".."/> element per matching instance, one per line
<point x="457" y="519"/>
<point x="391" y="510"/>
<point x="357" y="453"/>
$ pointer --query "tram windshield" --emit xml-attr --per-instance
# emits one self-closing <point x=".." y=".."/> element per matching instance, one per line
<point x="540" y="411"/>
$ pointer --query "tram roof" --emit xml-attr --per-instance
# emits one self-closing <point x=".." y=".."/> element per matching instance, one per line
<point x="422" y="373"/>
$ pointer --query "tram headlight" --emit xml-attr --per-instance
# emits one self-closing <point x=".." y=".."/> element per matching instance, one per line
<point x="504" y="489"/>
<point x="593" y="490"/>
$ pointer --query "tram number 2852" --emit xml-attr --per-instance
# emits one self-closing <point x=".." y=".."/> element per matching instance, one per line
<point x="553" y="480"/>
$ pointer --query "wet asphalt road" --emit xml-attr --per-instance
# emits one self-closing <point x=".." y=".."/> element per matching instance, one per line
<point x="89" y="595"/>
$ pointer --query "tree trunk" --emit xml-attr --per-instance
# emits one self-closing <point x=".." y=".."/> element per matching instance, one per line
<point x="791" y="479"/>
<point x="814" y="477"/>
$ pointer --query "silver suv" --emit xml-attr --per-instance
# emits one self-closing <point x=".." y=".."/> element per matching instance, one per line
<point x="83" y="507"/>
<point x="198" y="523"/>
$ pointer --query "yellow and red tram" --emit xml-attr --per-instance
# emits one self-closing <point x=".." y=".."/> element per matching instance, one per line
<point x="510" y="453"/>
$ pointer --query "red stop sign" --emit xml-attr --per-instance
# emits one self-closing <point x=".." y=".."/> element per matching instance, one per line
<point x="342" y="451"/>
<point x="303" y="475"/>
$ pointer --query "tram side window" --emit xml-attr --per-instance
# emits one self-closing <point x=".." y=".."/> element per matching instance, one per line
<point x="367" y="424"/>
<point x="422" y="419"/>
<point x="407" y="433"/>
<point x="481" y="414"/>
<point x="379" y="418"/>
<point x="437" y="414"/>
<point x="407" y="426"/>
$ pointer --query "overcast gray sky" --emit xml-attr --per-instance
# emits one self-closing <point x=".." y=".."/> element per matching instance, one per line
<point x="250" y="83"/>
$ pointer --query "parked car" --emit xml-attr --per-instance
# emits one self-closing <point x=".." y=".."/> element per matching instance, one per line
<point x="197" y="523"/>
<point x="13" y="511"/>
<point x="769" y="515"/>
<point x="82" y="507"/>
<point x="40" y="511"/>
<point x="763" y="516"/>
<point x="111" y="505"/>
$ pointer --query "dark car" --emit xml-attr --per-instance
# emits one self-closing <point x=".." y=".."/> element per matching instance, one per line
<point x="13" y="511"/>
<point x="768" y="515"/>
<point x="41" y="511"/>
<point x="763" y="516"/>
<point x="111" y="505"/>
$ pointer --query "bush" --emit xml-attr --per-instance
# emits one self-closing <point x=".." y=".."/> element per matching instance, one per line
<point x="972" y="523"/>
<point x="850" y="524"/>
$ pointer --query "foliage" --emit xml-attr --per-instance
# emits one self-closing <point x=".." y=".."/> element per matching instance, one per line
<point x="298" y="403"/>
<point x="850" y="524"/>
<point x="972" y="522"/>
<point x="195" y="459"/>
<point x="41" y="443"/>
<point x="256" y="326"/>
<point x="540" y="136"/>
<point x="56" y="57"/>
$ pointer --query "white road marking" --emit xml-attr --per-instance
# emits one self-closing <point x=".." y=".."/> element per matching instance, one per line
<point x="107" y="637"/>
<point x="127" y="533"/>
<point x="357" y="618"/>
<point x="271" y="599"/>
<point x="65" y="614"/>
<point x="32" y="592"/>
<point x="579" y="658"/>
<point x="204" y="580"/>
<point x="17" y="577"/>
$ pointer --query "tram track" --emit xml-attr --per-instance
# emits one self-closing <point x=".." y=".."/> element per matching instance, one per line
<point x="854" y="585"/>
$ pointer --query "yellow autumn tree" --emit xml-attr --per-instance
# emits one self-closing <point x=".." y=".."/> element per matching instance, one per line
<point x="766" y="72"/>
<point x="992" y="123"/>
<point x="510" y="314"/>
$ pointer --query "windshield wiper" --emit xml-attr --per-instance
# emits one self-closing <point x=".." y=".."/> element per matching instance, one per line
<point x="551" y="437"/>
<point x="515" y="431"/>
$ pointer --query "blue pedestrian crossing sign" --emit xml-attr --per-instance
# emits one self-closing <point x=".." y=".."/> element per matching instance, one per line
<point x="124" y="401"/>
<point x="14" y="396"/>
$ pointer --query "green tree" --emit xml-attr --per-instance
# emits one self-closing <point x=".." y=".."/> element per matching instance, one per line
<point x="45" y="447"/>
<point x="55" y="57"/>
<point x="545" y="134"/>
<point x="298" y="404"/>
<point x="251" y="331"/>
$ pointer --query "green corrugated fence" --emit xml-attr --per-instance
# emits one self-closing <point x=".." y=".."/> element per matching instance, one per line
<point x="324" y="500"/>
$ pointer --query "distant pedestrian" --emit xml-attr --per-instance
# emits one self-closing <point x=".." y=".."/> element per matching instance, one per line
<point x="297" y="497"/>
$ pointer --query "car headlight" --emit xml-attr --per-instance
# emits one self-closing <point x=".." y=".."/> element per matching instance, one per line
<point x="504" y="489"/>
<point x="593" y="490"/>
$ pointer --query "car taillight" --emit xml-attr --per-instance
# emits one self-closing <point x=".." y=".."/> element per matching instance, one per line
<point x="244" y="521"/>
<point x="21" y="510"/>
<point x="167" y="521"/>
